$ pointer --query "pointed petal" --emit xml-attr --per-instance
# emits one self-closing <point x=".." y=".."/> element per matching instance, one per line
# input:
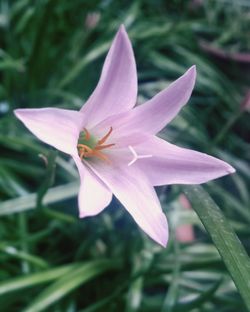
<point x="131" y="188"/>
<point x="116" y="91"/>
<point x="57" y="127"/>
<point x="93" y="196"/>
<point x="171" y="164"/>
<point x="155" y="114"/>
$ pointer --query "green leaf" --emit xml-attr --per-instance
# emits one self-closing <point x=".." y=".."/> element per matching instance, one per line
<point x="191" y="302"/>
<point x="27" y="202"/>
<point x="69" y="282"/>
<point x="34" y="279"/>
<point x="90" y="57"/>
<point x="19" y="254"/>
<point x="226" y="241"/>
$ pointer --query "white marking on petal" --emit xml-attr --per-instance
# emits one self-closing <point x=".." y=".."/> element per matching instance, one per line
<point x="136" y="156"/>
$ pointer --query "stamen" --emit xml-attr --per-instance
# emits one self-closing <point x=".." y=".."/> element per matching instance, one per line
<point x="101" y="147"/>
<point x="136" y="156"/>
<point x="83" y="146"/>
<point x="87" y="134"/>
<point x="82" y="154"/>
<point x="104" y="139"/>
<point x="85" y="151"/>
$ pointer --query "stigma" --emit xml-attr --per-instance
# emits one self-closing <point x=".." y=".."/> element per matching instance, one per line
<point x="88" y="147"/>
<point x="136" y="156"/>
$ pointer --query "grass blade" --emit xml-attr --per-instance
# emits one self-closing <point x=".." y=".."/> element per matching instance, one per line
<point x="34" y="279"/>
<point x="28" y="202"/>
<point x="69" y="282"/>
<point x="224" y="238"/>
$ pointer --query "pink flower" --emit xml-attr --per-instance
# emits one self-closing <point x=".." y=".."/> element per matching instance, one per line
<point x="114" y="145"/>
<point x="185" y="233"/>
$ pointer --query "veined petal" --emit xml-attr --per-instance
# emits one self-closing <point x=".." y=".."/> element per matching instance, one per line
<point x="57" y="127"/>
<point x="171" y="164"/>
<point x="93" y="196"/>
<point x="136" y="194"/>
<point x="116" y="91"/>
<point x="156" y="113"/>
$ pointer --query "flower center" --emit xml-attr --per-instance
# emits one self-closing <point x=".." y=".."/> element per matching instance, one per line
<point x="88" y="147"/>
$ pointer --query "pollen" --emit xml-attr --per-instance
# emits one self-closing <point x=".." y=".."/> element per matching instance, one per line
<point x="88" y="147"/>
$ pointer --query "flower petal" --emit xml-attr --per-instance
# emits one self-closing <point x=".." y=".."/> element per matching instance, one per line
<point x="136" y="194"/>
<point x="171" y="164"/>
<point x="153" y="115"/>
<point x="93" y="196"/>
<point x="57" y="127"/>
<point x="116" y="91"/>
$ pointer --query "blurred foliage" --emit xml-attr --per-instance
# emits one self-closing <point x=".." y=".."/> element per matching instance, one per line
<point x="51" y="53"/>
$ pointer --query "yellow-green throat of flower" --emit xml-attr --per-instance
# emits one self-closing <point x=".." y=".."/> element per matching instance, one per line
<point x="88" y="147"/>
